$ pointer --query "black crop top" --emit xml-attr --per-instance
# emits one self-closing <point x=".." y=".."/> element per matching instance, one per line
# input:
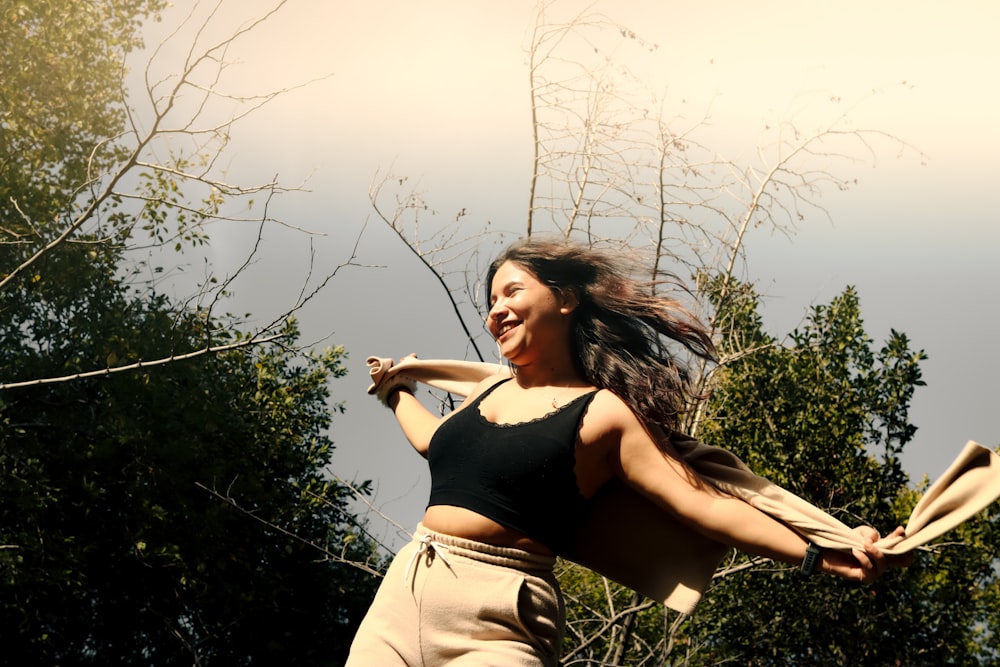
<point x="519" y="475"/>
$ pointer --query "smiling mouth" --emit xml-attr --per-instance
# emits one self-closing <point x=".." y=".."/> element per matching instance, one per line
<point x="504" y="329"/>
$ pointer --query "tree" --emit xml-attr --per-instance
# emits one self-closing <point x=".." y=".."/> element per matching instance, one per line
<point x="129" y="178"/>
<point x="164" y="494"/>
<point x="825" y="416"/>
<point x="61" y="73"/>
<point x="176" y="515"/>
<point x="611" y="168"/>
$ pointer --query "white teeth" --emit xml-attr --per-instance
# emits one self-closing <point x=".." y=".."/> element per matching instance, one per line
<point x="504" y="329"/>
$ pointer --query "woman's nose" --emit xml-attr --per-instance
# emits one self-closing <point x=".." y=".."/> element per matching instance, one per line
<point x="497" y="310"/>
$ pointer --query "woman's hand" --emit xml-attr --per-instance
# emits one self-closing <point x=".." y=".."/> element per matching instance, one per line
<point x="395" y="383"/>
<point x="868" y="563"/>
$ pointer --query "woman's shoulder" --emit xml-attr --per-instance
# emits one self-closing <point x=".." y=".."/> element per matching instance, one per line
<point x="489" y="382"/>
<point x="481" y="387"/>
<point x="609" y="411"/>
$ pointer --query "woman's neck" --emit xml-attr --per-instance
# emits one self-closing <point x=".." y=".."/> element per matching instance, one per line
<point x="548" y="375"/>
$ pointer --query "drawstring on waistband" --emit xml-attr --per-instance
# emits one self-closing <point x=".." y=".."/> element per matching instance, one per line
<point x="430" y="546"/>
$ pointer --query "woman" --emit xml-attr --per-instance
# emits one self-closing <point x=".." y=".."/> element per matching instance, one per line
<point x="515" y="463"/>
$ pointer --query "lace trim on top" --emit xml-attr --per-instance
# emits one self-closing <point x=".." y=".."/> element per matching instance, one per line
<point x="534" y="420"/>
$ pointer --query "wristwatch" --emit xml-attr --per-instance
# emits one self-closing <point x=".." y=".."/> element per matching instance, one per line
<point x="809" y="562"/>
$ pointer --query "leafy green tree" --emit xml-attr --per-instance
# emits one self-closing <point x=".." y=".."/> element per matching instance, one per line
<point x="61" y="65"/>
<point x="124" y="176"/>
<point x="825" y="416"/>
<point x="163" y="489"/>
<point x="177" y="514"/>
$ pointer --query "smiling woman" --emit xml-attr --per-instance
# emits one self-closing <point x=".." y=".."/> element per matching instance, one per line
<point x="524" y="312"/>
<point x="513" y="468"/>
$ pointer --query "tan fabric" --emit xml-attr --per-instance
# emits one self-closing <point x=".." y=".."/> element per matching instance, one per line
<point x="623" y="529"/>
<point x="450" y="601"/>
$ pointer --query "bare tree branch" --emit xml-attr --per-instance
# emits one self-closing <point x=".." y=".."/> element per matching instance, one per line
<point x="216" y="349"/>
<point x="142" y="193"/>
<point x="333" y="556"/>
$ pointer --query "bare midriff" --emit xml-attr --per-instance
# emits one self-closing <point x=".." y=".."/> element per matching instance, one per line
<point x="470" y="525"/>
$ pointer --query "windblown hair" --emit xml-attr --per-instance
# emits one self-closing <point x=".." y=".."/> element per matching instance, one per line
<point x="622" y="327"/>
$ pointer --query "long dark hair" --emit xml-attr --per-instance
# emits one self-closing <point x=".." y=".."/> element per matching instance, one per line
<point x="622" y="327"/>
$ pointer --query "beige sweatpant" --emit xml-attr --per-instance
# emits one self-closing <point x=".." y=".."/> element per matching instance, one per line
<point x="451" y="601"/>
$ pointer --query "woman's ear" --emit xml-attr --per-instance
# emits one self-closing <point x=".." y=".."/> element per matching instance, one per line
<point x="568" y="300"/>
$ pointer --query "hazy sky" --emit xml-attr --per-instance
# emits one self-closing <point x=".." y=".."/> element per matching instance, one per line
<point x="437" y="91"/>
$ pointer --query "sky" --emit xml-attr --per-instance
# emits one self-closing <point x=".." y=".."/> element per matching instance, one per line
<point x="437" y="92"/>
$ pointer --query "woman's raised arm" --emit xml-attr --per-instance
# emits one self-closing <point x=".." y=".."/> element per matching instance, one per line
<point x="664" y="478"/>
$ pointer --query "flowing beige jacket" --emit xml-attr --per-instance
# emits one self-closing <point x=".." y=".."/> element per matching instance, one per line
<point x="627" y="538"/>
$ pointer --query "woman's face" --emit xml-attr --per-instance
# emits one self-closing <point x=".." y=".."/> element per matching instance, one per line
<point x="526" y="317"/>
